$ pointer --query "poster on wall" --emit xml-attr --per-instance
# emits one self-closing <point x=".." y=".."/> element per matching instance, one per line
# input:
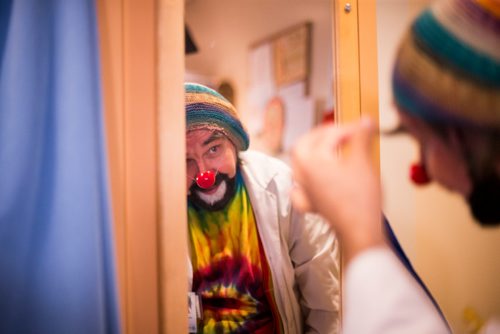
<point x="277" y="91"/>
<point x="291" y="55"/>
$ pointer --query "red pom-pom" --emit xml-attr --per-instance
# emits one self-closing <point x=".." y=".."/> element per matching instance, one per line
<point x="205" y="180"/>
<point x="419" y="175"/>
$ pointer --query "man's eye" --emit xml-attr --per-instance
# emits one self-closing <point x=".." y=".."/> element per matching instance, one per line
<point x="214" y="149"/>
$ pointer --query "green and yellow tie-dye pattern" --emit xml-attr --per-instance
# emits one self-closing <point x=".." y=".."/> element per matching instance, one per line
<point x="230" y="271"/>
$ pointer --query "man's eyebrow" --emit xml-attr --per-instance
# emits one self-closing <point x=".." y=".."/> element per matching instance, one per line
<point x="399" y="129"/>
<point x="215" y="136"/>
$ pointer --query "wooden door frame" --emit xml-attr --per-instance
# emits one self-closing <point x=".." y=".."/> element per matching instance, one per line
<point x="356" y="69"/>
<point x="128" y="45"/>
<point x="356" y="65"/>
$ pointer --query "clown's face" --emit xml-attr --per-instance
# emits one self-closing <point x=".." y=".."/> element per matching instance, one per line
<point x="441" y="154"/>
<point x="208" y="150"/>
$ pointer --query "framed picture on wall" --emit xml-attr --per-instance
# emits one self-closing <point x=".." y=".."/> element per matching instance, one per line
<point x="292" y="50"/>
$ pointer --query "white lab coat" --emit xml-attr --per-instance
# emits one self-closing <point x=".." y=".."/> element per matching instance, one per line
<point x="301" y="250"/>
<point x="381" y="297"/>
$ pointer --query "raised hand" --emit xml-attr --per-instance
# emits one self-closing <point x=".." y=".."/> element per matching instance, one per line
<point x="336" y="178"/>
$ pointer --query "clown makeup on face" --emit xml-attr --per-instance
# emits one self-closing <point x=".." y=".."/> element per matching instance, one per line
<point x="440" y="153"/>
<point x="467" y="162"/>
<point x="210" y="150"/>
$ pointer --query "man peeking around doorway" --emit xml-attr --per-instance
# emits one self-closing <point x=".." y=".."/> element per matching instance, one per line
<point x="258" y="265"/>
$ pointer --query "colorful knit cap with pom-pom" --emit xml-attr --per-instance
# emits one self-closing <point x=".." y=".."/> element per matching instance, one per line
<point x="448" y="65"/>
<point x="207" y="109"/>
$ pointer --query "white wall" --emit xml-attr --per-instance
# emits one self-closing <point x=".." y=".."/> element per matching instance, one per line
<point x="458" y="260"/>
<point x="224" y="30"/>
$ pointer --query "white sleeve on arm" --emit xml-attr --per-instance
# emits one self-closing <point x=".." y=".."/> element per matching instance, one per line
<point x="381" y="297"/>
<point x="314" y="252"/>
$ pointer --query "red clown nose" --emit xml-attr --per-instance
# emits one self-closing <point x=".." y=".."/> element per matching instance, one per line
<point x="206" y="179"/>
<point x="419" y="175"/>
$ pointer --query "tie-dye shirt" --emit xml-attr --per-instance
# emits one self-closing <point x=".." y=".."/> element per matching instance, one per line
<point x="230" y="271"/>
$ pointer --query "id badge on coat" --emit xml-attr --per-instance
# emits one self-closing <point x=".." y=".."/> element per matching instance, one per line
<point x="194" y="311"/>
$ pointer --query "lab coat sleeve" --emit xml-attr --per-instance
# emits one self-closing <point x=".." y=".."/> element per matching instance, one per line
<point x="381" y="297"/>
<point x="315" y="255"/>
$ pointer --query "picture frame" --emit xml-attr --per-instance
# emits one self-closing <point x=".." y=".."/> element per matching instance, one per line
<point x="292" y="53"/>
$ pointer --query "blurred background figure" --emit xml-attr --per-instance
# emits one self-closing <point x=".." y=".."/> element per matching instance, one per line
<point x="446" y="86"/>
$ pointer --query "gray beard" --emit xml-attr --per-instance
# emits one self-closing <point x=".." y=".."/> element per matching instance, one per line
<point x="216" y="201"/>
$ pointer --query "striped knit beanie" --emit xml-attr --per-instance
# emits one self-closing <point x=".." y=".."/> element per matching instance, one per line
<point x="207" y="109"/>
<point x="448" y="65"/>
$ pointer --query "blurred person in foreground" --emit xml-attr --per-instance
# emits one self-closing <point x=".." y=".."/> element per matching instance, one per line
<point x="258" y="265"/>
<point x="446" y="87"/>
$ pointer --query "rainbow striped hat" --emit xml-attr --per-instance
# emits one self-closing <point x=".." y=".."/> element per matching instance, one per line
<point x="207" y="109"/>
<point x="448" y="65"/>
